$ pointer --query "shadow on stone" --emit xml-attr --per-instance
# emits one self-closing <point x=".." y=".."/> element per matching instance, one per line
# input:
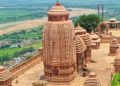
<point x="84" y="72"/>
<point x="42" y="77"/>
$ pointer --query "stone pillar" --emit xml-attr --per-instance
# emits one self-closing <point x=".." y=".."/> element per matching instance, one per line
<point x="88" y="53"/>
<point x="80" y="61"/>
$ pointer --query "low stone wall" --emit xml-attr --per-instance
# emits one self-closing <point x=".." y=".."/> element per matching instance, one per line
<point x="26" y="65"/>
<point x="108" y="40"/>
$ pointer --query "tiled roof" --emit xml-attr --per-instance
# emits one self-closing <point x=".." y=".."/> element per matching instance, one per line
<point x="84" y="35"/>
<point x="57" y="9"/>
<point x="4" y="74"/>
<point x="80" y="45"/>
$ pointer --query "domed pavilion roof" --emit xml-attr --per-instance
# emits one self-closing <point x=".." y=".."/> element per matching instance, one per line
<point x="95" y="37"/>
<point x="80" y="45"/>
<point x="4" y="74"/>
<point x="114" y="43"/>
<point x="84" y="35"/>
<point x="58" y="9"/>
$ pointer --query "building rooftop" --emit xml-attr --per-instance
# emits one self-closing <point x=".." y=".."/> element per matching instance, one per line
<point x="80" y="45"/>
<point x="4" y="74"/>
<point x="84" y="35"/>
<point x="58" y="9"/>
<point x="113" y="19"/>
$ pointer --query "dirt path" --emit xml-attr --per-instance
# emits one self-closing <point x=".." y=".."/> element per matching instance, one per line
<point x="104" y="66"/>
<point x="30" y="76"/>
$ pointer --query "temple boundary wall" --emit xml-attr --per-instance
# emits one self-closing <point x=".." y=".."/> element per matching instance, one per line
<point x="108" y="40"/>
<point x="26" y="65"/>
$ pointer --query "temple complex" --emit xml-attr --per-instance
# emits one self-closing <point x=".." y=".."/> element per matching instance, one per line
<point x="92" y="80"/>
<point x="95" y="40"/>
<point x="63" y="59"/>
<point x="88" y="42"/>
<point x="5" y="77"/>
<point x="80" y="50"/>
<point x="59" y="46"/>
<point x="117" y="62"/>
<point x="114" y="46"/>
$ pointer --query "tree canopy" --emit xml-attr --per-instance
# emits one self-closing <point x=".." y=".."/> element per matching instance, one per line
<point x="88" y="22"/>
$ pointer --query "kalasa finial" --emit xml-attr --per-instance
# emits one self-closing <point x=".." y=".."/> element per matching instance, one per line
<point x="58" y="3"/>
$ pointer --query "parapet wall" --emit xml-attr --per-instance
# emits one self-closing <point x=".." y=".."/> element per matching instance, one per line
<point x="108" y="40"/>
<point x="26" y="65"/>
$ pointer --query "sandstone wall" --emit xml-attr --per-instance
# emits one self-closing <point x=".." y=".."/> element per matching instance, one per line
<point x="26" y="65"/>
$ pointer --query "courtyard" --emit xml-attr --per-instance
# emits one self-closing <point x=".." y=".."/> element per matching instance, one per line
<point x="103" y="66"/>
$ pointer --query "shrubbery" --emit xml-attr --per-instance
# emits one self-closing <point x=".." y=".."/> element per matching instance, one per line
<point x="17" y="37"/>
<point x="116" y="80"/>
<point x="88" y="22"/>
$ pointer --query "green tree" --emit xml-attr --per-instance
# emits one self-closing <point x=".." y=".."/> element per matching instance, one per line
<point x="88" y="22"/>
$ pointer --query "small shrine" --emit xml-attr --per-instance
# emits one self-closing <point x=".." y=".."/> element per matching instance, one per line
<point x="92" y="80"/>
<point x="114" y="46"/>
<point x="117" y="62"/>
<point x="95" y="40"/>
<point x="87" y="40"/>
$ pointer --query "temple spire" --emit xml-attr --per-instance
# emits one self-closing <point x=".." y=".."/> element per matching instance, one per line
<point x="58" y="3"/>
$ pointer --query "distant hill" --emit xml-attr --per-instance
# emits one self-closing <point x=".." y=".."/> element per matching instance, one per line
<point x="18" y="10"/>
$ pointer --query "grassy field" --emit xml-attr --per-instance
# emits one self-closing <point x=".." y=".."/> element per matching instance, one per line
<point x="34" y="35"/>
<point x="11" y="51"/>
<point x="116" y="80"/>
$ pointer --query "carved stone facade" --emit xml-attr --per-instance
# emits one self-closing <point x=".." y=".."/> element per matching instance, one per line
<point x="92" y="80"/>
<point x="59" y="46"/>
<point x="87" y="40"/>
<point x="117" y="63"/>
<point x="5" y="77"/>
<point x="80" y="52"/>
<point x="114" y="46"/>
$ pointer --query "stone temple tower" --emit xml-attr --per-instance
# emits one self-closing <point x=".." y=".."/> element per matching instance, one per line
<point x="59" y="46"/>
<point x="87" y="40"/>
<point x="80" y="51"/>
